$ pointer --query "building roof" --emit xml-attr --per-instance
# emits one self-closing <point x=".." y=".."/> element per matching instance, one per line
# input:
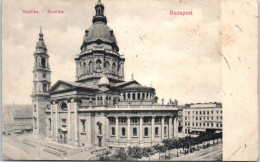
<point x="23" y="113"/>
<point x="99" y="31"/>
<point x="71" y="85"/>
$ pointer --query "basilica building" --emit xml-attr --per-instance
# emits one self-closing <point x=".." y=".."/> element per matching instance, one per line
<point x="99" y="108"/>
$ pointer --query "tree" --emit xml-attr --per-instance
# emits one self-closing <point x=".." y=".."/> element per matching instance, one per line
<point x="135" y="152"/>
<point x="147" y="152"/>
<point x="176" y="144"/>
<point x="121" y="154"/>
<point x="159" y="148"/>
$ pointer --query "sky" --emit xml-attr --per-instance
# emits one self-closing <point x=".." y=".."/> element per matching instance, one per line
<point x="177" y="55"/>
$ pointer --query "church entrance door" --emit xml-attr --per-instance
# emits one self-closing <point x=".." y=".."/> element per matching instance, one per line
<point x="62" y="137"/>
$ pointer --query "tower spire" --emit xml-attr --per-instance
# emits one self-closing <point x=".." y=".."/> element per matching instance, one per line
<point x="40" y="45"/>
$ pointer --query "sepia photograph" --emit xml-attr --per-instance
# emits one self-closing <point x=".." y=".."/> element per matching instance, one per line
<point x="112" y="80"/>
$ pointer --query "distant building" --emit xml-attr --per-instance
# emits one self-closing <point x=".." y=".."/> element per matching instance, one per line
<point x="23" y="122"/>
<point x="201" y="117"/>
<point x="16" y="119"/>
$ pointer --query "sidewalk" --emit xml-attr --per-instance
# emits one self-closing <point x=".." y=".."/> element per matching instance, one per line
<point x="212" y="153"/>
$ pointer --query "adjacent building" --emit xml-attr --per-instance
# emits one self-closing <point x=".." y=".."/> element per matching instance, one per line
<point x="16" y="119"/>
<point x="201" y="117"/>
<point x="99" y="108"/>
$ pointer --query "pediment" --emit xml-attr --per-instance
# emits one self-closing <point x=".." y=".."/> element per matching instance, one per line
<point x="60" y="86"/>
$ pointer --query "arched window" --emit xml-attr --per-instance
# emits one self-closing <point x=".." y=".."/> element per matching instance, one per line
<point x="128" y="96"/>
<point x="113" y="131"/>
<point x="146" y="131"/>
<point x="100" y="128"/>
<point x="44" y="87"/>
<point x="165" y="130"/>
<point x="107" y="65"/>
<point x="138" y="96"/>
<point x="133" y="96"/>
<point x="156" y="131"/>
<point x="143" y="96"/>
<point x="123" y="131"/>
<point x="124" y="96"/>
<point x="114" y="68"/>
<point x="64" y="107"/>
<point x="134" y="132"/>
<point x="84" y="68"/>
<point x="90" y="67"/>
<point x="98" y="65"/>
<point x="43" y="61"/>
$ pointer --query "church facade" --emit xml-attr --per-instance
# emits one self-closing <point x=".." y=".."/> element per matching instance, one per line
<point x="99" y="108"/>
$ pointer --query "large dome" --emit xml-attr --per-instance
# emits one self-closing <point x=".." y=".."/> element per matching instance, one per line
<point x="101" y="31"/>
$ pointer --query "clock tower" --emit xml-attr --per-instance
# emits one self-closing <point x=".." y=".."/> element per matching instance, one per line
<point x="41" y="85"/>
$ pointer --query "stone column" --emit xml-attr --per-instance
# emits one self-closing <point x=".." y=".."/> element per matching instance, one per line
<point x="121" y="96"/>
<point x="131" y="96"/>
<point x="136" y="96"/>
<point x="69" y="111"/>
<point x="57" y="120"/>
<point x="75" y="106"/>
<point x="170" y="127"/>
<point x="96" y="100"/>
<point x="117" y="133"/>
<point x="149" y="96"/>
<point x="153" y="130"/>
<point x="162" y="128"/>
<point x="175" y="124"/>
<point x="128" y="131"/>
<point x="141" y="96"/>
<point x="141" y="131"/>
<point x="52" y="120"/>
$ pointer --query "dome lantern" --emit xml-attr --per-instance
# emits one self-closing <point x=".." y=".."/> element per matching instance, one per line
<point x="99" y="13"/>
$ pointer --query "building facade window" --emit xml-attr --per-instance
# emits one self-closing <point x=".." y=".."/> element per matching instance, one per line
<point x="165" y="130"/>
<point x="44" y="87"/>
<point x="34" y="108"/>
<point x="113" y="131"/>
<point x="146" y="131"/>
<point x="100" y="129"/>
<point x="157" y="120"/>
<point x="123" y="131"/>
<point x="64" y="107"/>
<point x="147" y="120"/>
<point x="134" y="132"/>
<point x="112" y="120"/>
<point x="156" y="131"/>
<point x="49" y="123"/>
<point x="122" y="120"/>
<point x="134" y="120"/>
<point x="83" y="124"/>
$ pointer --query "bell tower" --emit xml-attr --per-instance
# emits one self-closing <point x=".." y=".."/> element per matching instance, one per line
<point x="41" y="84"/>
